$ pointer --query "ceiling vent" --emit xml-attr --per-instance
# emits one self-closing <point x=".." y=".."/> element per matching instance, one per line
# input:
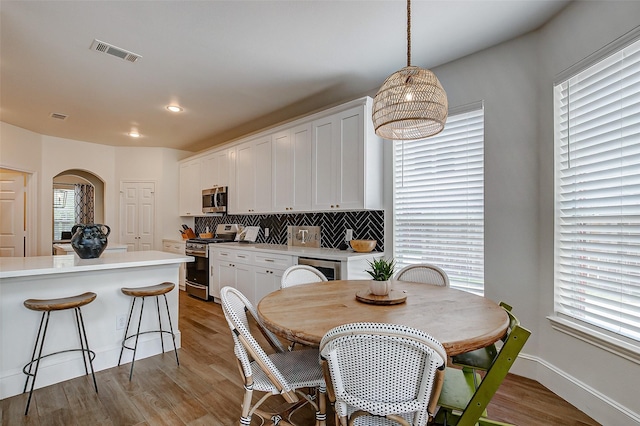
<point x="101" y="46"/>
<point x="59" y="116"/>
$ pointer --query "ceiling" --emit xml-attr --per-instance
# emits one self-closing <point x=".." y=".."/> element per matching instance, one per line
<point x="234" y="66"/>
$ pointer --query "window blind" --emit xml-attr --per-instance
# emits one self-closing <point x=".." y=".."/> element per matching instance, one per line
<point x="439" y="200"/>
<point x="63" y="211"/>
<point x="597" y="125"/>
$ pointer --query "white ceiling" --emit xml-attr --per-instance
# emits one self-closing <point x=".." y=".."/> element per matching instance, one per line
<point x="235" y="66"/>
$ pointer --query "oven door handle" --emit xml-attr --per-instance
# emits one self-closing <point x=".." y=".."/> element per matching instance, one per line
<point x="195" y="253"/>
<point x="197" y="285"/>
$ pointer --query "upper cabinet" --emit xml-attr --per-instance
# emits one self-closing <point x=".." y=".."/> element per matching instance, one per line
<point x="215" y="169"/>
<point x="204" y="172"/>
<point x="292" y="169"/>
<point x="253" y="176"/>
<point x="190" y="191"/>
<point x="346" y="162"/>
<point x="328" y="161"/>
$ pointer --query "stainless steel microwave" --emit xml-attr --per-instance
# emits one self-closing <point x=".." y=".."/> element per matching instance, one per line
<point x="214" y="200"/>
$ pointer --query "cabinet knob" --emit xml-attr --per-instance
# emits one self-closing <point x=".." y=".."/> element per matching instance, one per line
<point x="331" y="205"/>
<point x="337" y="205"/>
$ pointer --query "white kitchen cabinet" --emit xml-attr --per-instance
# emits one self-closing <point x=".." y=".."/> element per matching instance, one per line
<point x="347" y="164"/>
<point x="221" y="270"/>
<point x="292" y="169"/>
<point x="177" y="247"/>
<point x="331" y="160"/>
<point x="190" y="201"/>
<point x="245" y="281"/>
<point x="267" y="280"/>
<point x="245" y="178"/>
<point x="254" y="274"/>
<point x="215" y="169"/>
<point x="263" y="175"/>
<point x="253" y="176"/>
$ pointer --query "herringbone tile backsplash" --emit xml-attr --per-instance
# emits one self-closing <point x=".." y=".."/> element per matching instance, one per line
<point x="366" y="225"/>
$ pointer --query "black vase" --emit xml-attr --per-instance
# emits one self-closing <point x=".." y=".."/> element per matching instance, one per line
<point x="89" y="240"/>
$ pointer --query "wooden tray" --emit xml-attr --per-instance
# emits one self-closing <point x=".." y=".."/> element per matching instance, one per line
<point x="393" y="298"/>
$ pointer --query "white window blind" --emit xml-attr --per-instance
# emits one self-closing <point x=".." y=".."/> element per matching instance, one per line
<point x="63" y="211"/>
<point x="439" y="200"/>
<point x="597" y="125"/>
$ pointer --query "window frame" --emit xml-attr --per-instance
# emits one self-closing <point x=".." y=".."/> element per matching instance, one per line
<point x="610" y="341"/>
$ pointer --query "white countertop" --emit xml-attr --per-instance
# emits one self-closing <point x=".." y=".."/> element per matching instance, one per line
<point x="46" y="265"/>
<point x="318" y="253"/>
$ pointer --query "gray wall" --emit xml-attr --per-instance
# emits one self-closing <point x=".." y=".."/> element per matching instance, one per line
<point x="515" y="80"/>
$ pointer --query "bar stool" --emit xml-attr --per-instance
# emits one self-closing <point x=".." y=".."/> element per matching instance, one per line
<point x="142" y="292"/>
<point x="46" y="306"/>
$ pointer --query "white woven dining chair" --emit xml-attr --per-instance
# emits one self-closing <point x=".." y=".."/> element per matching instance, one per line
<point x="424" y="273"/>
<point x="282" y="373"/>
<point x="382" y="374"/>
<point x="301" y="274"/>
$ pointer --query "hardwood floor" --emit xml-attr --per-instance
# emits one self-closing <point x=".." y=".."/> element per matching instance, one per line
<point x="206" y="388"/>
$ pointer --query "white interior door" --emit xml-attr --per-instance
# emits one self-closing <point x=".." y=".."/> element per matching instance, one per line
<point x="12" y="214"/>
<point x="146" y="215"/>
<point x="137" y="215"/>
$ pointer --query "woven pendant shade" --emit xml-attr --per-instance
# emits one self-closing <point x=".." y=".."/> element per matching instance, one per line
<point x="411" y="104"/>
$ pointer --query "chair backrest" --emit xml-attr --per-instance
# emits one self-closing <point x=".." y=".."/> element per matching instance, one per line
<point x="301" y="274"/>
<point x="246" y="348"/>
<point x="516" y="338"/>
<point x="424" y="273"/>
<point x="382" y="369"/>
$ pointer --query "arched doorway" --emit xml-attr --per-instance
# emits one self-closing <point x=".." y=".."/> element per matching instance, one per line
<point x="78" y="197"/>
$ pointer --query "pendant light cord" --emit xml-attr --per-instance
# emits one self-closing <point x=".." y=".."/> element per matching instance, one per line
<point x="408" y="33"/>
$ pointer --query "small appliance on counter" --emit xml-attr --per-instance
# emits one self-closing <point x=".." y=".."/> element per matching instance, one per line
<point x="248" y="234"/>
<point x="197" y="279"/>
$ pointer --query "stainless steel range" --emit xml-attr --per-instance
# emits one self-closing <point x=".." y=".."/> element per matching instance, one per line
<point x="197" y="279"/>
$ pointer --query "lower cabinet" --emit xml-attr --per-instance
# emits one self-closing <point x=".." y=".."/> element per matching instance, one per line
<point x="266" y="281"/>
<point x="254" y="274"/>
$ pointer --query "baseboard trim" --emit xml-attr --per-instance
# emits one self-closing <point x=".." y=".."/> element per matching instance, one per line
<point x="587" y="399"/>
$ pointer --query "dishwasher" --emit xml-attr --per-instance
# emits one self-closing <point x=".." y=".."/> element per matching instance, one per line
<point x="330" y="268"/>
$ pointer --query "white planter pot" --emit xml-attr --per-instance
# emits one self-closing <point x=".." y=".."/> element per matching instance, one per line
<point x="380" y="288"/>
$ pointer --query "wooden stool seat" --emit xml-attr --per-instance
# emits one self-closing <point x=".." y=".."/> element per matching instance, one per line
<point x="60" y="304"/>
<point x="46" y="306"/>
<point x="152" y="290"/>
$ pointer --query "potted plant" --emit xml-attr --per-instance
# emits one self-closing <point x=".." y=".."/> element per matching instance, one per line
<point x="381" y="271"/>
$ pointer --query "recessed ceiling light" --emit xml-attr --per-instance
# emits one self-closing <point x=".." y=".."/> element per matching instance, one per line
<point x="174" y="108"/>
<point x="134" y="134"/>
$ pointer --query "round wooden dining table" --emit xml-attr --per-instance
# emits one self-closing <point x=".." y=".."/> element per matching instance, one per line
<point x="461" y="321"/>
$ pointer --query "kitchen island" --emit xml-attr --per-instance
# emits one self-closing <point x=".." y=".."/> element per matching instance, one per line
<point x="45" y="277"/>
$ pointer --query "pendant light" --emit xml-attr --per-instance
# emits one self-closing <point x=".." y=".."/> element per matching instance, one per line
<point x="411" y="104"/>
